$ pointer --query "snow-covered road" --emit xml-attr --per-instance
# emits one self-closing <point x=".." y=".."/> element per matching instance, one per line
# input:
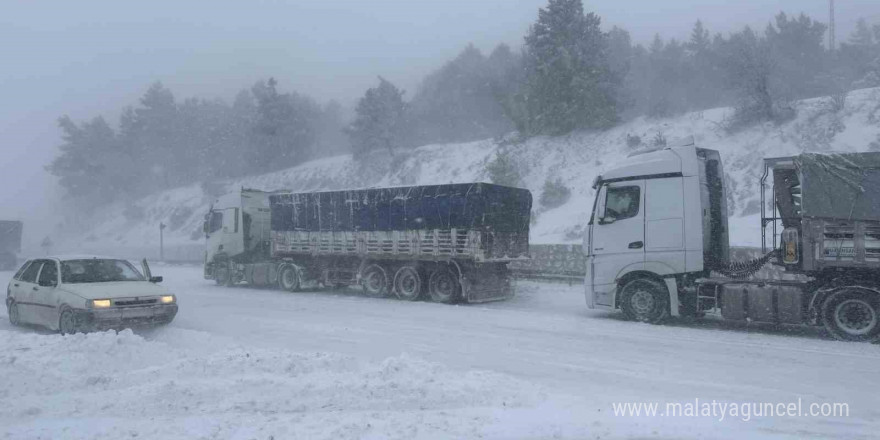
<point x="243" y="363"/>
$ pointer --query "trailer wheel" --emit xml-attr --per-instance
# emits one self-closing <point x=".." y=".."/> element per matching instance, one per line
<point x="375" y="281"/>
<point x="645" y="300"/>
<point x="407" y="283"/>
<point x="852" y="314"/>
<point x="288" y="279"/>
<point x="444" y="286"/>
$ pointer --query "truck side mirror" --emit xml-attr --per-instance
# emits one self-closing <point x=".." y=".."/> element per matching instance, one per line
<point x="607" y="220"/>
<point x="205" y="227"/>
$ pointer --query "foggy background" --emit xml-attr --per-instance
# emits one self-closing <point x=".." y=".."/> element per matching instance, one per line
<point x="85" y="59"/>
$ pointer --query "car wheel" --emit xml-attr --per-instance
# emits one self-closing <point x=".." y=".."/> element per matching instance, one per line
<point x="288" y="279"/>
<point x="444" y="287"/>
<point x="375" y="281"/>
<point x="645" y="300"/>
<point x="12" y="310"/>
<point x="407" y="283"/>
<point x="852" y="314"/>
<point x="67" y="324"/>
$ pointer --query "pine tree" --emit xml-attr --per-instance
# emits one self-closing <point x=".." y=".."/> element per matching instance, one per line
<point x="862" y="35"/>
<point x="380" y="120"/>
<point x="284" y="129"/>
<point x="700" y="41"/>
<point x="570" y="84"/>
<point x="458" y="102"/>
<point x="92" y="167"/>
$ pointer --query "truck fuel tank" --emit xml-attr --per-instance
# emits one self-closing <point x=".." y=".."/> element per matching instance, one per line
<point x="763" y="301"/>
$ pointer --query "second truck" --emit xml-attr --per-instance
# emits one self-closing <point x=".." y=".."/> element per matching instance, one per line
<point x="657" y="242"/>
<point x="450" y="243"/>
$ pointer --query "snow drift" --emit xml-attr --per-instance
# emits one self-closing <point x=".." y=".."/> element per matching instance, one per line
<point x="186" y="384"/>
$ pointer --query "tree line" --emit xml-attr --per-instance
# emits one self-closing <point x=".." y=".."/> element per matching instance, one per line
<point x="568" y="75"/>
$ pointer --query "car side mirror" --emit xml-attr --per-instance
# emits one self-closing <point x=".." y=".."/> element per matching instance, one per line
<point x="155" y="279"/>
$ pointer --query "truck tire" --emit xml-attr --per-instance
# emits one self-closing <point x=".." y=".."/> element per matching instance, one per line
<point x="222" y="273"/>
<point x="444" y="287"/>
<point x="852" y="314"/>
<point x="288" y="279"/>
<point x="375" y="281"/>
<point x="408" y="283"/>
<point x="645" y="300"/>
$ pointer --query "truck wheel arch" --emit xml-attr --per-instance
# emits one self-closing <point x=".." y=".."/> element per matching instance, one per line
<point x="840" y="326"/>
<point x="654" y="271"/>
<point x="818" y="296"/>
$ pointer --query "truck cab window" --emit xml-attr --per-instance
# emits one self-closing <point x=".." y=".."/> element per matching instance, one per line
<point x="621" y="202"/>
<point x="216" y="221"/>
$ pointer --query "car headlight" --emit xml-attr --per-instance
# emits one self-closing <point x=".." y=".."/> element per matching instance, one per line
<point x="99" y="303"/>
<point x="167" y="299"/>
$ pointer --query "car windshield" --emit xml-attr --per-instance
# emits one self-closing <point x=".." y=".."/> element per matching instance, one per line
<point x="98" y="271"/>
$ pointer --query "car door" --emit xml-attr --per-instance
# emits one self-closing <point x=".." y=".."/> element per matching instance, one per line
<point x="45" y="294"/>
<point x="13" y="289"/>
<point x="27" y="311"/>
<point x="618" y="234"/>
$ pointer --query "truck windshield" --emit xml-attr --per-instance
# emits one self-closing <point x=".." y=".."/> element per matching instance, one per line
<point x="98" y="271"/>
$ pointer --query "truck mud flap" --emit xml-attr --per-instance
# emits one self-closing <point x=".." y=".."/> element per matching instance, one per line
<point x="487" y="283"/>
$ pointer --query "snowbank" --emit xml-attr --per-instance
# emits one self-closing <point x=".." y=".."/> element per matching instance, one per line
<point x="185" y="384"/>
<point x="576" y="159"/>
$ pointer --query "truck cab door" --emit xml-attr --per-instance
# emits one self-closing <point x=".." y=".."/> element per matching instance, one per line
<point x="617" y="235"/>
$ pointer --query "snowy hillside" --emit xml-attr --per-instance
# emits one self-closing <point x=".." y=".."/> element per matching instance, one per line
<point x="575" y="158"/>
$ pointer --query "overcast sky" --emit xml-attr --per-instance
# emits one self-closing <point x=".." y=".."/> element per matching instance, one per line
<point x="86" y="58"/>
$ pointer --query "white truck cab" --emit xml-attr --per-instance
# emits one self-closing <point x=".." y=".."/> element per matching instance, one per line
<point x="659" y="219"/>
<point x="237" y="229"/>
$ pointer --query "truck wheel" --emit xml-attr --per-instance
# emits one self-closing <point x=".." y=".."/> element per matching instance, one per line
<point x="375" y="281"/>
<point x="407" y="283"/>
<point x="444" y="286"/>
<point x="222" y="274"/>
<point x="645" y="300"/>
<point x="852" y="314"/>
<point x="288" y="279"/>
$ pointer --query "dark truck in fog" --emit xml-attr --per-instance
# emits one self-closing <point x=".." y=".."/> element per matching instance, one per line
<point x="10" y="243"/>
<point x="450" y="242"/>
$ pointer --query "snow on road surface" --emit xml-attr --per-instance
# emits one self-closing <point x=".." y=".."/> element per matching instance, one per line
<point x="250" y="363"/>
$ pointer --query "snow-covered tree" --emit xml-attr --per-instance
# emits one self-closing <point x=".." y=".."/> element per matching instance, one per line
<point x="570" y="83"/>
<point x="459" y="101"/>
<point x="380" y="120"/>
<point x="284" y="130"/>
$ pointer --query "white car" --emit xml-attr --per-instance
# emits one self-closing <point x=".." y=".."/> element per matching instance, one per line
<point x="86" y="293"/>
